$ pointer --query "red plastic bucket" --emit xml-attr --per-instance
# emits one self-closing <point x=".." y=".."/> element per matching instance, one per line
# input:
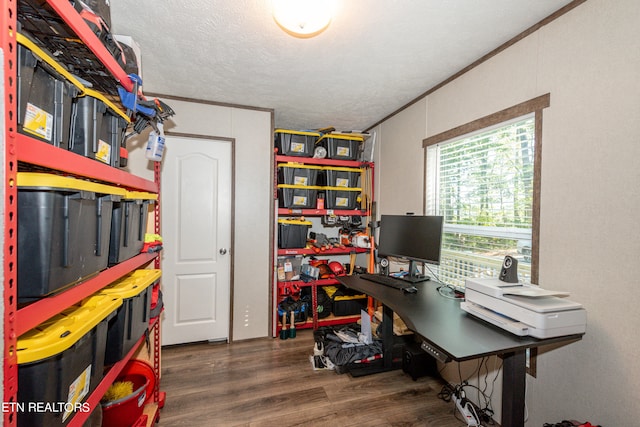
<point x="125" y="412"/>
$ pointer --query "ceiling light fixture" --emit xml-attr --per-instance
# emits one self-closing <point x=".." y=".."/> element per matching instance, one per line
<point x="302" y="18"/>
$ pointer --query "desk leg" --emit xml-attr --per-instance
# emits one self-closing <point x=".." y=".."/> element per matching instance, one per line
<point x="387" y="337"/>
<point x="513" y="388"/>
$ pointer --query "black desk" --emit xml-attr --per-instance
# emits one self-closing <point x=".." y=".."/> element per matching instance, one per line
<point x="449" y="330"/>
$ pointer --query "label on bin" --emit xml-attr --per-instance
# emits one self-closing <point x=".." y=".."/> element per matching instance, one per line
<point x="38" y="122"/>
<point x="343" y="151"/>
<point x="342" y="201"/>
<point x="342" y="182"/>
<point x="300" y="201"/>
<point x="77" y="391"/>
<point x="104" y="152"/>
<point x="297" y="147"/>
<point x="300" y="180"/>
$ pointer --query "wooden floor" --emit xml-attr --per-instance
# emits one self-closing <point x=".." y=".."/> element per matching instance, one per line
<point x="270" y="382"/>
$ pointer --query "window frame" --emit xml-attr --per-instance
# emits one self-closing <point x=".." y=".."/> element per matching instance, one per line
<point x="533" y="106"/>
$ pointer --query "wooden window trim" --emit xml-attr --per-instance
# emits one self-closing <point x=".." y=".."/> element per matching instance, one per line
<point x="535" y="105"/>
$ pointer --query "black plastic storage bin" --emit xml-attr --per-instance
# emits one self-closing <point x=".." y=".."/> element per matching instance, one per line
<point x="298" y="174"/>
<point x="298" y="196"/>
<point x="342" y="147"/>
<point x="348" y="302"/>
<point x="292" y="233"/>
<point x="341" y="198"/>
<point x="45" y="96"/>
<point x="129" y="225"/>
<point x="342" y="176"/>
<point x="132" y="318"/>
<point x="98" y="129"/>
<point x="61" y="361"/>
<point x="63" y="232"/>
<point x="296" y="143"/>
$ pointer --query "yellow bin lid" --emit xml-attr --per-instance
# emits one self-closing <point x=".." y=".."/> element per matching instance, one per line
<point x="294" y="222"/>
<point x="132" y="284"/>
<point x="46" y="181"/>
<point x="343" y="188"/>
<point x="140" y="195"/>
<point x="301" y="187"/>
<point x="342" y="136"/>
<point x="298" y="132"/>
<point x="343" y="169"/>
<point x="298" y="166"/>
<point x="63" y="330"/>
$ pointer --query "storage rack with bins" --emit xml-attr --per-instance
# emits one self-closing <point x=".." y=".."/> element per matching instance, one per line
<point x="19" y="150"/>
<point x="280" y="287"/>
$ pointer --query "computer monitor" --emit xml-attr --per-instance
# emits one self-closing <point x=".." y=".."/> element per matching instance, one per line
<point x="412" y="237"/>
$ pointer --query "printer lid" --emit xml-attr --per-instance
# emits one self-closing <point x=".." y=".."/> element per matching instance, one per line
<point x="544" y="304"/>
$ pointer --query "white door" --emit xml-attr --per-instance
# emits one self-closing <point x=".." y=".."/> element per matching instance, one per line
<point x="196" y="232"/>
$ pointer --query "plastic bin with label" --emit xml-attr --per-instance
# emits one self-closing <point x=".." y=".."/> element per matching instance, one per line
<point x="132" y="318"/>
<point x="61" y="361"/>
<point x="298" y="196"/>
<point x="342" y="147"/>
<point x="342" y="176"/>
<point x="342" y="197"/>
<point x="292" y="233"/>
<point x="98" y="129"/>
<point x="296" y="143"/>
<point x="298" y="174"/>
<point x="129" y="225"/>
<point x="63" y="231"/>
<point x="45" y="95"/>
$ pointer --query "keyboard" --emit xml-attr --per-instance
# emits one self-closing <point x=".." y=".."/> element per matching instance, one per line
<point x="386" y="280"/>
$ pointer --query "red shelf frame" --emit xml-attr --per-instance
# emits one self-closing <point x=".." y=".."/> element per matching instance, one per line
<point x="9" y="238"/>
<point x="333" y="251"/>
<point x="321" y="162"/>
<point x="33" y="151"/>
<point x="35" y="313"/>
<point x="21" y="148"/>
<point x="320" y="212"/>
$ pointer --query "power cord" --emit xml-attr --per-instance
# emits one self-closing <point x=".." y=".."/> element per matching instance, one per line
<point x="451" y="392"/>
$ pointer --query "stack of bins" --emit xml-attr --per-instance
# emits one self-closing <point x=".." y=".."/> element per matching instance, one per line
<point x="45" y="95"/>
<point x="296" y="185"/>
<point x="129" y="225"/>
<point x="63" y="232"/>
<point x="342" y="191"/>
<point x="61" y="361"/>
<point x="132" y="318"/>
<point x="98" y="129"/>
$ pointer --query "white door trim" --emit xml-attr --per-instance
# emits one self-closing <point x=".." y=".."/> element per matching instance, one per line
<point x="232" y="251"/>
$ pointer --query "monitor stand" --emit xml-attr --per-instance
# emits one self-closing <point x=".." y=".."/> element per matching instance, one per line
<point x="414" y="275"/>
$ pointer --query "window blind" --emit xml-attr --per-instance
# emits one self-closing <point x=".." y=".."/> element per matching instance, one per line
<point x="482" y="183"/>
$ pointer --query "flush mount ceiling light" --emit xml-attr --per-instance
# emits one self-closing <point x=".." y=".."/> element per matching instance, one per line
<point x="302" y="18"/>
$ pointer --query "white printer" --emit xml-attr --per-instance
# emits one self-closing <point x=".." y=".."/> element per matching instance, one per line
<point x="524" y="309"/>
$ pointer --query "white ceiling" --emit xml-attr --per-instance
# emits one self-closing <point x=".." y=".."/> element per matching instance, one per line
<point x="375" y="57"/>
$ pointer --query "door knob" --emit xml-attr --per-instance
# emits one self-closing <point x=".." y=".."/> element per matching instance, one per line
<point x="223" y="251"/>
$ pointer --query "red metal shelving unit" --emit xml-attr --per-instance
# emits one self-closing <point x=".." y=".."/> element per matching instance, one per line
<point x="9" y="109"/>
<point x="20" y="148"/>
<point x="281" y="287"/>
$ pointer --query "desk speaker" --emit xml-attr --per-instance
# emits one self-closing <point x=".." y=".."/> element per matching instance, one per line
<point x="384" y="266"/>
<point x="509" y="271"/>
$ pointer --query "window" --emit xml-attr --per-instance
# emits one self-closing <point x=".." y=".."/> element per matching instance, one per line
<point x="484" y="179"/>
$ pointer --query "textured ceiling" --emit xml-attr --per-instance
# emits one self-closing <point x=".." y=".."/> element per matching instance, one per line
<point x="375" y="57"/>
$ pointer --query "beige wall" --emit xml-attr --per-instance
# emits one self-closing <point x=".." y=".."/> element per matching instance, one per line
<point x="589" y="61"/>
<point x="253" y="134"/>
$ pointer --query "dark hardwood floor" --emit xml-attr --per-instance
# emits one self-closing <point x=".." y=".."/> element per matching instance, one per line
<point x="270" y="382"/>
